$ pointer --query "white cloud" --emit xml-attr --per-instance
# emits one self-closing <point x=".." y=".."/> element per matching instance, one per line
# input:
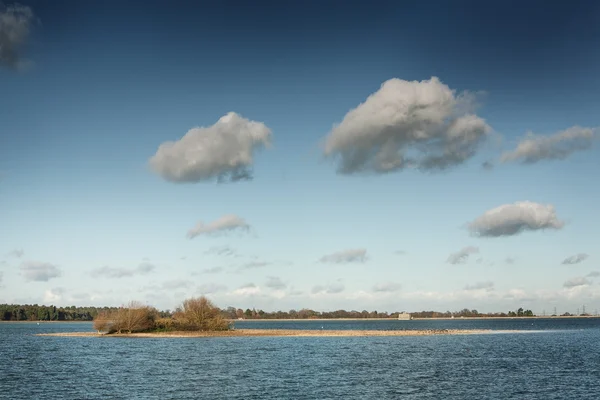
<point x="226" y="223"/>
<point x="223" y="151"/>
<point x="15" y="26"/>
<point x="275" y="282"/>
<point x="575" y="259"/>
<point x="346" y="256"/>
<point x="461" y="256"/>
<point x="39" y="271"/>
<point x="328" y="289"/>
<point x="488" y="285"/>
<point x="593" y="274"/>
<point x="110" y="272"/>
<point x="407" y="124"/>
<point x="54" y="294"/>
<point x="512" y="219"/>
<point x="386" y="287"/>
<point x="534" y="148"/>
<point x="571" y="283"/>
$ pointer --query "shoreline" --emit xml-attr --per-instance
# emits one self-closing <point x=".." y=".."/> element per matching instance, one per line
<point x="278" y="333"/>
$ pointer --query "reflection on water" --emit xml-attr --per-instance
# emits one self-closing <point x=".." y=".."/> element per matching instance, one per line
<point x="537" y="365"/>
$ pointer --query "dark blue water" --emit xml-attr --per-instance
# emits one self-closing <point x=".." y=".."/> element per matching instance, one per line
<point x="559" y="359"/>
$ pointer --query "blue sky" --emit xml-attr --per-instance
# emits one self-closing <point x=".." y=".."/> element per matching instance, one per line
<point x="365" y="130"/>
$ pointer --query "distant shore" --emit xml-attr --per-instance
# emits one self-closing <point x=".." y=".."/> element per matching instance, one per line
<point x="277" y="333"/>
<point x="351" y="319"/>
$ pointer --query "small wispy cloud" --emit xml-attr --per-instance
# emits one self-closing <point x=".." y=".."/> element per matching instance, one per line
<point x="211" y="288"/>
<point x="593" y="274"/>
<point x="461" y="256"/>
<point x="224" y="224"/>
<point x="17" y="253"/>
<point x="225" y="251"/>
<point x="275" y="282"/>
<point x="248" y="289"/>
<point x="575" y="259"/>
<point x="575" y="282"/>
<point x="488" y="285"/>
<point x="387" y="287"/>
<point x="534" y="148"/>
<point x="253" y="265"/>
<point x="346" y="256"/>
<point x="112" y="272"/>
<point x="328" y="289"/>
<point x="213" y="270"/>
<point x="36" y="271"/>
<point x="176" y="284"/>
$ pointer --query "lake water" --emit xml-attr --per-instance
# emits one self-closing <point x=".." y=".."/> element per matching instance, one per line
<point x="554" y="359"/>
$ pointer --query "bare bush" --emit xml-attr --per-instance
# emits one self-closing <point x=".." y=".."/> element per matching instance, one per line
<point x="199" y="313"/>
<point x="136" y="317"/>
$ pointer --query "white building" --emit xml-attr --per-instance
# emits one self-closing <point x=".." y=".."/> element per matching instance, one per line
<point x="404" y="316"/>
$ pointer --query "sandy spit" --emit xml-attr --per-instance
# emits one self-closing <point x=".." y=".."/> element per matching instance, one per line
<point x="276" y="333"/>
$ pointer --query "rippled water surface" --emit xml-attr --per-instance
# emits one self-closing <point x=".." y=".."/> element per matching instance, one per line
<point x="556" y="359"/>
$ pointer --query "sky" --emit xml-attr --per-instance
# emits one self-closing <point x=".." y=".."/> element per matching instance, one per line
<point x="283" y="155"/>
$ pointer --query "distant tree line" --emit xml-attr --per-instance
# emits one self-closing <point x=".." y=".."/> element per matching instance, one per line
<point x="34" y="312"/>
<point x="169" y="320"/>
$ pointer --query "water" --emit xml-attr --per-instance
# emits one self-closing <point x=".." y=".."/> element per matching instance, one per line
<point x="556" y="359"/>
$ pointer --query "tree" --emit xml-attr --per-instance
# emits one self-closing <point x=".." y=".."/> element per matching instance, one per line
<point x="199" y="313"/>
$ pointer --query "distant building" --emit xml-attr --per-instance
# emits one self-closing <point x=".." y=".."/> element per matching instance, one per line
<point x="404" y="316"/>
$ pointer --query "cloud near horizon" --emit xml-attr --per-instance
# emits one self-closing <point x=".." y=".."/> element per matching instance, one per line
<point x="223" y="152"/>
<point x="224" y="224"/>
<point x="512" y="219"/>
<point x="346" y="256"/>
<point x="575" y="259"/>
<point x="461" y="256"/>
<point x="15" y="27"/>
<point x="37" y="271"/>
<point x="110" y="272"/>
<point x="407" y="124"/>
<point x="534" y="148"/>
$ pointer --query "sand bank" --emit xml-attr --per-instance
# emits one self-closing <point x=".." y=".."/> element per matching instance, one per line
<point x="277" y="333"/>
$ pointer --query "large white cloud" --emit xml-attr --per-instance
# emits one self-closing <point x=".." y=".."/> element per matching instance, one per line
<point x="346" y="256"/>
<point x="534" y="148"/>
<point x="407" y="124"/>
<point x="15" y="26"/>
<point x="223" y="224"/>
<point x="512" y="219"/>
<point x="462" y="255"/>
<point x="36" y="271"/>
<point x="223" y="151"/>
